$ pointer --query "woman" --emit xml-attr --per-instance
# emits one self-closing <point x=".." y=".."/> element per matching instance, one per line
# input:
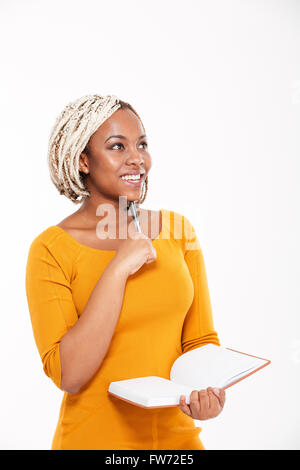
<point x="124" y="306"/>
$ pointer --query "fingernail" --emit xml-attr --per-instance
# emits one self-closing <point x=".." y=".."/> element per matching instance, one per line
<point x="216" y="390"/>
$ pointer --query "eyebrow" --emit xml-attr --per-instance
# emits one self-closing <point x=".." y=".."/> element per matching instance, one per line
<point x="123" y="137"/>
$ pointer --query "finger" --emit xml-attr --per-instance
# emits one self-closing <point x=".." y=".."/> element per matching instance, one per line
<point x="220" y="393"/>
<point x="154" y="254"/>
<point x="222" y="397"/>
<point x="214" y="391"/>
<point x="210" y="396"/>
<point x="195" y="403"/>
<point x="137" y="235"/>
<point x="204" y="401"/>
<point x="214" y="404"/>
<point x="183" y="405"/>
<point x="151" y="256"/>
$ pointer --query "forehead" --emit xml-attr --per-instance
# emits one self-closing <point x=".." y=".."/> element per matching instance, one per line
<point x="122" y="121"/>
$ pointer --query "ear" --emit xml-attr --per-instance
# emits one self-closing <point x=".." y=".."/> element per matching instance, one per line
<point x="84" y="162"/>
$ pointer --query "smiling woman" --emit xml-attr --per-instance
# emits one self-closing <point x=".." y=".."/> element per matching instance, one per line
<point x="81" y="119"/>
<point x="117" y="307"/>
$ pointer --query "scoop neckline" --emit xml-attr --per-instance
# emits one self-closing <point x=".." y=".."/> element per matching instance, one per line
<point x="68" y="235"/>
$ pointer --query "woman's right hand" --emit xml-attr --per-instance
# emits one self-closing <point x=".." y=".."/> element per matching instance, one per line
<point x="133" y="252"/>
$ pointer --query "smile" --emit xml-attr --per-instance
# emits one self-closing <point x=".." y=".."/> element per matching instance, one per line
<point x="132" y="180"/>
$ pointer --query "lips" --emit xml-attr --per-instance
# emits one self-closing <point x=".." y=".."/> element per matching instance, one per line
<point x="142" y="175"/>
<point x="134" y="172"/>
<point x="133" y="183"/>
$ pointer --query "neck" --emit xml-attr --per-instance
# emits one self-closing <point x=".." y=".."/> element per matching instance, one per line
<point x="93" y="210"/>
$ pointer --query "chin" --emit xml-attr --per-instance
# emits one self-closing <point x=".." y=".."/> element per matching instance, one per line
<point x="128" y="198"/>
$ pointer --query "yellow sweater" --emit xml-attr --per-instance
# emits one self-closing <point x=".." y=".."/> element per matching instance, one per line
<point x="166" y="311"/>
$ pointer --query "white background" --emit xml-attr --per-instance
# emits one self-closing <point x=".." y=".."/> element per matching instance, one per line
<point x="217" y="85"/>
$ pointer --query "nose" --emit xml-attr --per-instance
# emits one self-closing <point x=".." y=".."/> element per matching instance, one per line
<point x="135" y="157"/>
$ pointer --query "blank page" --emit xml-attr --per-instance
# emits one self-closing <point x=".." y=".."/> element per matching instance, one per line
<point x="212" y="366"/>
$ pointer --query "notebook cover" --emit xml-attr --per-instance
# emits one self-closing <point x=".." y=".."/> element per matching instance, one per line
<point x="250" y="373"/>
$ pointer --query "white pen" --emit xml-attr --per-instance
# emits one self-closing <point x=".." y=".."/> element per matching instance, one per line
<point x="134" y="215"/>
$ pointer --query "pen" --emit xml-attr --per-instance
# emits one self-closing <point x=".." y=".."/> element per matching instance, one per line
<point x="132" y="207"/>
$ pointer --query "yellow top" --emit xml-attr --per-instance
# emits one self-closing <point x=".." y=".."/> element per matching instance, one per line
<point x="166" y="311"/>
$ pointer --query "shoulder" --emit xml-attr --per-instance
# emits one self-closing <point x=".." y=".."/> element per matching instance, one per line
<point x="181" y="229"/>
<point x="47" y="238"/>
<point x="51" y="246"/>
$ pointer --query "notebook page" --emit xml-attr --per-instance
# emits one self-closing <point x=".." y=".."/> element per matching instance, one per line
<point x="211" y="366"/>
<point x="224" y="382"/>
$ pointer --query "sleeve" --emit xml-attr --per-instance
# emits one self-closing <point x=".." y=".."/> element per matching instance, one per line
<point x="51" y="307"/>
<point x="198" y="328"/>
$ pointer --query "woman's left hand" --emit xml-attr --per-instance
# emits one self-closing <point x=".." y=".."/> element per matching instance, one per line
<point x="204" y="404"/>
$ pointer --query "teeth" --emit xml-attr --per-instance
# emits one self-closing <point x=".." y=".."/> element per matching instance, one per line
<point x="131" y="177"/>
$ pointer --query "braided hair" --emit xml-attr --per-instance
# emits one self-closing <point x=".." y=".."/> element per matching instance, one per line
<point x="70" y="136"/>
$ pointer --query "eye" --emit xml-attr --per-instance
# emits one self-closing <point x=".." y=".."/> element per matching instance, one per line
<point x="120" y="144"/>
<point x="115" y="145"/>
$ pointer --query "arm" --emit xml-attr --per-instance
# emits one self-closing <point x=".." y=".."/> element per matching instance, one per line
<point x="198" y="328"/>
<point x="84" y="346"/>
<point x="69" y="347"/>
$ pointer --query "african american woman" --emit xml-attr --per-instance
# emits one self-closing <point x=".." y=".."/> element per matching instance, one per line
<point x="108" y="305"/>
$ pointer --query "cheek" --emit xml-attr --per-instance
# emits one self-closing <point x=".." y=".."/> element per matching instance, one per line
<point x="107" y="166"/>
<point x="147" y="162"/>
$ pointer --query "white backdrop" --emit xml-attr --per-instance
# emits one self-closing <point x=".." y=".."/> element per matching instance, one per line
<point x="217" y="84"/>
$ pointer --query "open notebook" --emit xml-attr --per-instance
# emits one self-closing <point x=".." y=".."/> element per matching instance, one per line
<point x="206" y="366"/>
